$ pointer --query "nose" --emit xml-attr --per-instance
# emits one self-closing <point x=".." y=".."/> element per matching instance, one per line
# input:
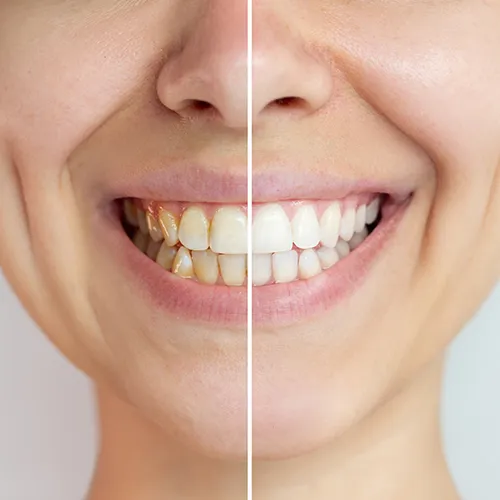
<point x="286" y="77"/>
<point x="206" y="79"/>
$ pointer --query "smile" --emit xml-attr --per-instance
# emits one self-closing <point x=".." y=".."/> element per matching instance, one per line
<point x="292" y="240"/>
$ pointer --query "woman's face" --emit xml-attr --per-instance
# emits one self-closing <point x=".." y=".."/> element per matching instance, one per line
<point x="354" y="103"/>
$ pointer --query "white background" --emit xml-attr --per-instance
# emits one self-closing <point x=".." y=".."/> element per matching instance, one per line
<point x="48" y="437"/>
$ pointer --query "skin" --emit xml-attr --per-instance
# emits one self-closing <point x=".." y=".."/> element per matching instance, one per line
<point x="417" y="84"/>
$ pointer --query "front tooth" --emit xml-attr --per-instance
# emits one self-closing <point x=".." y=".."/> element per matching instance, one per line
<point x="328" y="257"/>
<point x="330" y="225"/>
<point x="262" y="271"/>
<point x="170" y="226"/>
<point x="271" y="230"/>
<point x="373" y="210"/>
<point x="347" y="223"/>
<point x="233" y="269"/>
<point x="183" y="264"/>
<point x="309" y="264"/>
<point x="130" y="212"/>
<point x="166" y="256"/>
<point x="360" y="220"/>
<point x="305" y="227"/>
<point x="153" y="249"/>
<point x="343" y="249"/>
<point x="228" y="232"/>
<point x="143" y="223"/>
<point x="285" y="266"/>
<point x="141" y="240"/>
<point x="193" y="229"/>
<point x="357" y="239"/>
<point x="154" y="228"/>
<point x="206" y="267"/>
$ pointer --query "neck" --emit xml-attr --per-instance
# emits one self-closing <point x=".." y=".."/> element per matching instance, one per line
<point x="136" y="460"/>
<point x="395" y="453"/>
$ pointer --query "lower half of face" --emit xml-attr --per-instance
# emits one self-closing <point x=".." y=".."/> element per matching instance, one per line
<point x="373" y="223"/>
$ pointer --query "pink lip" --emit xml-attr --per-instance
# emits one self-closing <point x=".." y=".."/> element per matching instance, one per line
<point x="190" y="183"/>
<point x="274" y="304"/>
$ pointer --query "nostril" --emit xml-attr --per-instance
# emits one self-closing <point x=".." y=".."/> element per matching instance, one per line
<point x="289" y="104"/>
<point x="200" y="105"/>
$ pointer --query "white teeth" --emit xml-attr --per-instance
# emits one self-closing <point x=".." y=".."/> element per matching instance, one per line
<point x="271" y="230"/>
<point x="347" y="223"/>
<point x="373" y="210"/>
<point x="309" y="264"/>
<point x="343" y="249"/>
<point x="183" y="264"/>
<point x="228" y="232"/>
<point x="193" y="229"/>
<point x="330" y="225"/>
<point x="143" y="223"/>
<point x="170" y="227"/>
<point x="166" y="256"/>
<point x="206" y="266"/>
<point x="154" y="228"/>
<point x="233" y="269"/>
<point x="328" y="257"/>
<point x="360" y="219"/>
<point x="153" y="249"/>
<point x="357" y="239"/>
<point x="141" y="241"/>
<point x="285" y="266"/>
<point x="262" y="269"/>
<point x="130" y="212"/>
<point x="305" y="227"/>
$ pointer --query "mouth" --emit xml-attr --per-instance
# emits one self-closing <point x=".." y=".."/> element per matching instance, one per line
<point x="315" y="240"/>
<point x="292" y="240"/>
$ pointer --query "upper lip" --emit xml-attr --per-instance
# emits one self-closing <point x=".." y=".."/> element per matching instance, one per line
<point x="197" y="184"/>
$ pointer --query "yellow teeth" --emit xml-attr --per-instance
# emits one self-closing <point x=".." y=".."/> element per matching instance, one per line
<point x="170" y="227"/>
<point x="193" y="229"/>
<point x="183" y="264"/>
<point x="299" y="240"/>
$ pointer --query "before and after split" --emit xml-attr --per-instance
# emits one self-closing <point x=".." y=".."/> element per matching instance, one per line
<point x="255" y="228"/>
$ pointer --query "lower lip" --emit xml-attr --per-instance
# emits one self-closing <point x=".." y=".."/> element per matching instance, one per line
<point x="278" y="304"/>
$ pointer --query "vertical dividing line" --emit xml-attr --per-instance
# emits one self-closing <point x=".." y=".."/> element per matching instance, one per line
<point x="249" y="249"/>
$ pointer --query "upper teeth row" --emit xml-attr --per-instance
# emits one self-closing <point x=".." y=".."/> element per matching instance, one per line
<point x="272" y="230"/>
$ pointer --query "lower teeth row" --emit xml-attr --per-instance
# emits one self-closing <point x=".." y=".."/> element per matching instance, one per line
<point x="223" y="269"/>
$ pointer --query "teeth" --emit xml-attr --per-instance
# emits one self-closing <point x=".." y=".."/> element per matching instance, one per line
<point x="193" y="229"/>
<point x="285" y="266"/>
<point x="154" y="228"/>
<point x="130" y="212"/>
<point x="215" y="251"/>
<point x="347" y="223"/>
<point x="228" y="232"/>
<point x="206" y="267"/>
<point x="141" y="241"/>
<point x="183" y="264"/>
<point x="330" y="225"/>
<point x="305" y="227"/>
<point x="328" y="257"/>
<point x="170" y="227"/>
<point x="143" y="223"/>
<point x="262" y="269"/>
<point x="271" y="230"/>
<point x="373" y="210"/>
<point x="153" y="249"/>
<point x="233" y="269"/>
<point x="343" y="249"/>
<point x="309" y="264"/>
<point x="357" y="239"/>
<point x="360" y="219"/>
<point x="166" y="256"/>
